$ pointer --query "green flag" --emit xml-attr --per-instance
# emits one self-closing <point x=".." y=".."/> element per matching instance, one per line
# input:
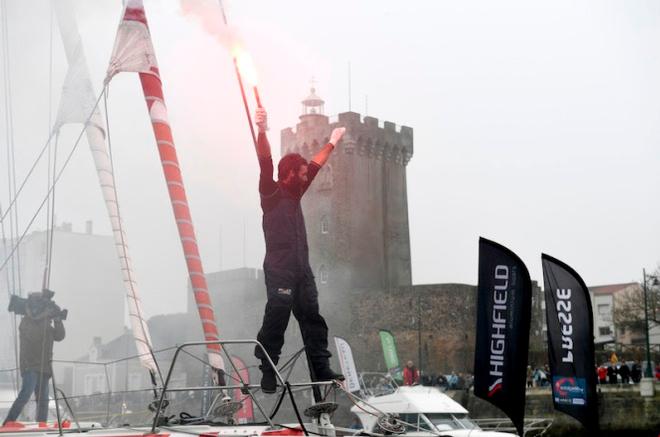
<point x="389" y="351"/>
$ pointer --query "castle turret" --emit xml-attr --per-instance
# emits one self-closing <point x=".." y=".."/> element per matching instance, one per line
<point x="313" y="104"/>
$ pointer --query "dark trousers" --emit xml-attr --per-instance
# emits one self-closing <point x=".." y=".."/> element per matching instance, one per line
<point x="33" y="382"/>
<point x="300" y="296"/>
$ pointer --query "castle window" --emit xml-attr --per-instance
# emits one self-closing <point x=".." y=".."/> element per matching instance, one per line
<point x="323" y="274"/>
<point x="325" y="225"/>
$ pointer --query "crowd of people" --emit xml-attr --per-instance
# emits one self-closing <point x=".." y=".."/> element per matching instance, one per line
<point x="452" y="381"/>
<point x="623" y="372"/>
<point x="619" y="372"/>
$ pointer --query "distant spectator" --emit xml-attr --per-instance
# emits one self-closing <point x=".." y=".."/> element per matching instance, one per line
<point x="530" y="377"/>
<point x="636" y="372"/>
<point x="540" y="377"/>
<point x="460" y="383"/>
<point x="427" y="380"/>
<point x="657" y="372"/>
<point x="624" y="372"/>
<point x="441" y="382"/>
<point x="602" y="375"/>
<point x="611" y="374"/>
<point x="382" y="387"/>
<point x="469" y="381"/>
<point x="452" y="381"/>
<point x="410" y="374"/>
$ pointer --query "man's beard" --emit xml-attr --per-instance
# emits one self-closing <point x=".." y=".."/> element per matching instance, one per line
<point x="294" y="187"/>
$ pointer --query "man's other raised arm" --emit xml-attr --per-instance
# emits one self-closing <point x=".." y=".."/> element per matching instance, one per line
<point x="267" y="185"/>
<point x="263" y="146"/>
<point x="322" y="156"/>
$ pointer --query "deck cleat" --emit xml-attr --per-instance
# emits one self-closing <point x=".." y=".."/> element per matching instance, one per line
<point x="315" y="411"/>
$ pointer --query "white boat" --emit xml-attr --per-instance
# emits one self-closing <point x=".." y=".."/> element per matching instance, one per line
<point x="418" y="411"/>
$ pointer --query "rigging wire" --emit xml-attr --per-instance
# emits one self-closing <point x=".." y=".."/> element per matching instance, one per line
<point x="29" y="173"/>
<point x="131" y="281"/>
<point x="8" y="114"/>
<point x="51" y="233"/>
<point x="14" y="329"/>
<point x="9" y="137"/>
<point x="11" y="156"/>
<point x="49" y="230"/>
<point x="55" y="180"/>
<point x="5" y="56"/>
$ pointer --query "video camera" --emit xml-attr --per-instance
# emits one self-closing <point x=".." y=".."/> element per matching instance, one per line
<point x="36" y="304"/>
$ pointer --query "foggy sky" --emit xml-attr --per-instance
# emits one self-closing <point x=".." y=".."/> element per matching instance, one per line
<point x="536" y="125"/>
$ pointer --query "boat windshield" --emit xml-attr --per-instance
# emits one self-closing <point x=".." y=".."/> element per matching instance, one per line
<point x="447" y="421"/>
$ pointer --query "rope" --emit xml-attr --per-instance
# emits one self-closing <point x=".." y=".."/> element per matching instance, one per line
<point x="295" y="407"/>
<point x="13" y="319"/>
<point x="134" y="296"/>
<point x="52" y="187"/>
<point x="11" y="157"/>
<point x="114" y="361"/>
<point x="50" y="110"/>
<point x="8" y="127"/>
<point x="51" y="233"/>
<point x="10" y="141"/>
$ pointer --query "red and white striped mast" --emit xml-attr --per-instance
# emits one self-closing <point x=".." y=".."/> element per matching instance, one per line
<point x="134" y="52"/>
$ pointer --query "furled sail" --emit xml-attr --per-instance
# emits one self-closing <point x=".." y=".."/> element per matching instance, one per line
<point x="78" y="101"/>
<point x="134" y="52"/>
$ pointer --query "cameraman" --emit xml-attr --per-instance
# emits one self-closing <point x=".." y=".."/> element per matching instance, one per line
<point x="40" y="327"/>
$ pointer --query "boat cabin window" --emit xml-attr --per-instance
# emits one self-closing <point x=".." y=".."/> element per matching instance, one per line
<point x="443" y="421"/>
<point x="414" y="422"/>
<point x="466" y="421"/>
<point x="447" y="421"/>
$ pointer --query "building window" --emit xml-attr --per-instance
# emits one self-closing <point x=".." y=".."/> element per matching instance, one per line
<point x="603" y="309"/>
<point x="325" y="225"/>
<point x="94" y="383"/>
<point x="604" y="330"/>
<point x="323" y="274"/>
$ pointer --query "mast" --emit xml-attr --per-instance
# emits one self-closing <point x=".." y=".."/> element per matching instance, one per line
<point x="134" y="52"/>
<point x="77" y="102"/>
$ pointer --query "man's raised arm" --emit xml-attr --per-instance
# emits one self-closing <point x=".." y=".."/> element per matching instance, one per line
<point x="263" y="147"/>
<point x="322" y="156"/>
<point x="267" y="185"/>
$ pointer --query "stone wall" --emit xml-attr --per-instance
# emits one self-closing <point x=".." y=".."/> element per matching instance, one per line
<point x="446" y="325"/>
<point x="447" y="329"/>
<point x="621" y="411"/>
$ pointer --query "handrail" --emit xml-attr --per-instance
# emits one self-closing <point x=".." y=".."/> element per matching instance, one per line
<point x="287" y="386"/>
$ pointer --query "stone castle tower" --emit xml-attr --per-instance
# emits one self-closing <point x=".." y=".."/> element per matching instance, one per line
<point x="356" y="211"/>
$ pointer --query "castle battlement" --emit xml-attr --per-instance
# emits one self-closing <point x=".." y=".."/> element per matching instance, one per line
<point x="364" y="137"/>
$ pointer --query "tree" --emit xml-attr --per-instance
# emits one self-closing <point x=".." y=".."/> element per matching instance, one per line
<point x="629" y="306"/>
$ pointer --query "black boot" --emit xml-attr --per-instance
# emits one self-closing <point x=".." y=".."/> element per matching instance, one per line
<point x="327" y="374"/>
<point x="268" y="379"/>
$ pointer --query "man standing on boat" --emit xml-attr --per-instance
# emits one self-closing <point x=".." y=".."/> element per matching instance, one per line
<point x="290" y="283"/>
<point x="40" y="327"/>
